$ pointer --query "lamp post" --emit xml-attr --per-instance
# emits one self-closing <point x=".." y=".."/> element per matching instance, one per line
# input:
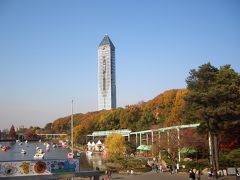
<point x="72" y="127"/>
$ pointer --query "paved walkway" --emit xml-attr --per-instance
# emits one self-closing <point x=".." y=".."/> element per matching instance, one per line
<point x="158" y="176"/>
<point x="154" y="176"/>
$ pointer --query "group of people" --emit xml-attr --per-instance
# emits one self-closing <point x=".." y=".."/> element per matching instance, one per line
<point x="157" y="167"/>
<point x="211" y="173"/>
<point x="193" y="176"/>
<point x="108" y="175"/>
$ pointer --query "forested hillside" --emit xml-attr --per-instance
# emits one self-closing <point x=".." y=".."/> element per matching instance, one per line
<point x="164" y="110"/>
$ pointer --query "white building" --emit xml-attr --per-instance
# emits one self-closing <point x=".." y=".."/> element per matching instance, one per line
<point x="106" y="75"/>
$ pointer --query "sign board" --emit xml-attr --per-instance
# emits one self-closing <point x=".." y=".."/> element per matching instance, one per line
<point x="43" y="167"/>
<point x="231" y="171"/>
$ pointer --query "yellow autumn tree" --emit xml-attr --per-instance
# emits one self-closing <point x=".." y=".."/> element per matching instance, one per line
<point x="116" y="146"/>
<point x="177" y="111"/>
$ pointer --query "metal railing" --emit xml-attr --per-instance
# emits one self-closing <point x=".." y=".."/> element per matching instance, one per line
<point x="93" y="174"/>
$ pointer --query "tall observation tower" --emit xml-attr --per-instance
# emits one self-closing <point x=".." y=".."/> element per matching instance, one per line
<point x="106" y="75"/>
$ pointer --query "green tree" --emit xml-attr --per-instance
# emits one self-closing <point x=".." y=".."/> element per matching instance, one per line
<point x="234" y="157"/>
<point x="147" y="119"/>
<point x="213" y="99"/>
<point x="48" y="126"/>
<point x="111" y="120"/>
<point x="130" y="116"/>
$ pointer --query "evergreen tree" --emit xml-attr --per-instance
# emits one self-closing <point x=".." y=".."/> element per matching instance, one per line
<point x="213" y="99"/>
<point x="12" y="133"/>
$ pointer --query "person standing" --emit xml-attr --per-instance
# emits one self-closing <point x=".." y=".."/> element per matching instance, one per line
<point x="177" y="168"/>
<point x="160" y="168"/>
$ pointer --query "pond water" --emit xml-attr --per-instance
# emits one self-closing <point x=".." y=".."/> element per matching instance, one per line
<point x="87" y="162"/>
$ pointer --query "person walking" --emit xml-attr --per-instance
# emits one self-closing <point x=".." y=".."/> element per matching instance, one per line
<point x="209" y="174"/>
<point x="170" y="169"/>
<point x="109" y="174"/>
<point x="198" y="174"/>
<point x="191" y="175"/>
<point x="237" y="175"/>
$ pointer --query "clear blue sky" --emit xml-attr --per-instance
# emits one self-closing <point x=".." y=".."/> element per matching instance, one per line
<point x="48" y="51"/>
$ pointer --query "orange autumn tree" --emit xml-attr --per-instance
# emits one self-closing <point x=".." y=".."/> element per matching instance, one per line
<point x="177" y="111"/>
<point x="164" y="110"/>
<point x="79" y="134"/>
<point x="62" y="125"/>
<point x="168" y="107"/>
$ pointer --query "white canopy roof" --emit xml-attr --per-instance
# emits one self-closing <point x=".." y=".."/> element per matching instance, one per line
<point x="124" y="132"/>
<point x="93" y="143"/>
<point x="99" y="142"/>
<point x="89" y="144"/>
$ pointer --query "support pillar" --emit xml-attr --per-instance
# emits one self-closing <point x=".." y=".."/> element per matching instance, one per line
<point x="147" y="138"/>
<point x="152" y="141"/>
<point x="179" y="153"/>
<point x="159" y="137"/>
<point x="136" y="140"/>
<point x="168" y="141"/>
<point x="140" y="139"/>
<point x="152" y="137"/>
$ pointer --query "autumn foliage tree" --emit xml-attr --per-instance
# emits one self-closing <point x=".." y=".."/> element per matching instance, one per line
<point x="230" y="138"/>
<point x="61" y="125"/>
<point x="116" y="146"/>
<point x="176" y="116"/>
<point x="30" y="134"/>
<point x="12" y="133"/>
<point x="168" y="107"/>
<point x="164" y="110"/>
<point x="79" y="135"/>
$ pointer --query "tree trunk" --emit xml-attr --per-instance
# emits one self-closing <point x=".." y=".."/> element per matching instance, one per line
<point x="214" y="153"/>
<point x="215" y="141"/>
<point x="210" y="148"/>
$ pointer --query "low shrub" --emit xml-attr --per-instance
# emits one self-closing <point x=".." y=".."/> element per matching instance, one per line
<point x="128" y="163"/>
